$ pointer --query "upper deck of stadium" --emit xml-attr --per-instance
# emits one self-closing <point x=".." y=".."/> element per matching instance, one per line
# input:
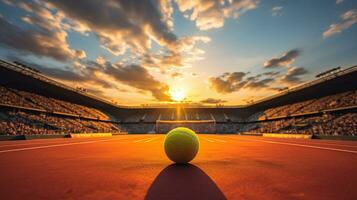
<point x="25" y="78"/>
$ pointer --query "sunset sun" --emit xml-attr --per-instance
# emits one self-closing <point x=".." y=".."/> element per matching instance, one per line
<point x="177" y="94"/>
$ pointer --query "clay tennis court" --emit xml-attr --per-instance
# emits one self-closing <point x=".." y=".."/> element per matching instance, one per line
<point x="135" y="167"/>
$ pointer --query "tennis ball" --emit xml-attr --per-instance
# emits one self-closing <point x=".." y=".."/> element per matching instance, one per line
<point x="181" y="145"/>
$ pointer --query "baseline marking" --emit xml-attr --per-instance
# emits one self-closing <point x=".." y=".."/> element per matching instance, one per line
<point x="142" y="140"/>
<point x="54" y="145"/>
<point x="303" y="145"/>
<point x="149" y="140"/>
<point x="329" y="144"/>
<point x="54" y="141"/>
<point x="209" y="140"/>
<point x="30" y="143"/>
<point x="218" y="140"/>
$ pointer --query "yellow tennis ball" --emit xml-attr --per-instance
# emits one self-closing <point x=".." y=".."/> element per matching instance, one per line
<point x="181" y="145"/>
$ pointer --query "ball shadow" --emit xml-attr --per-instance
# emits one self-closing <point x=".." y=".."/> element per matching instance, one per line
<point x="186" y="182"/>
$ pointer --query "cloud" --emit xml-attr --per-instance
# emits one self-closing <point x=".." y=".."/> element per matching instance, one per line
<point x="339" y="1"/>
<point x="65" y="73"/>
<point x="213" y="101"/>
<point x="228" y="82"/>
<point x="138" y="77"/>
<point x="348" y="19"/>
<point x="176" y="75"/>
<point x="132" y="26"/>
<point x="40" y="42"/>
<point x="271" y="74"/>
<point x="285" y="60"/>
<point x="209" y="14"/>
<point x="280" y="88"/>
<point x="123" y="25"/>
<point x="162" y="61"/>
<point x="186" y="53"/>
<point x="107" y="75"/>
<point x="127" y="26"/>
<point x="255" y="83"/>
<point x="276" y="10"/>
<point x="293" y="75"/>
<point x="232" y="82"/>
<point x="133" y="75"/>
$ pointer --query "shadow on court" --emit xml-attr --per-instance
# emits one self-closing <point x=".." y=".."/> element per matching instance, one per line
<point x="186" y="182"/>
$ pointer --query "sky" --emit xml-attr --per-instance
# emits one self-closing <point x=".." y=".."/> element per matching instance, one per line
<point x="136" y="52"/>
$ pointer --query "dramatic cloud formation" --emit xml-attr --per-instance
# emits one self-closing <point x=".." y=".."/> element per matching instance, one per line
<point x="255" y="83"/>
<point x="185" y="53"/>
<point x="285" y="60"/>
<point x="138" y="77"/>
<point x="348" y="19"/>
<point x="228" y="82"/>
<point x="125" y="24"/>
<point x="48" y="40"/>
<point x="232" y="82"/>
<point x="133" y="46"/>
<point x="213" y="101"/>
<point x="209" y="14"/>
<point x="133" y="25"/>
<point x="120" y="26"/>
<point x="132" y="75"/>
<point x="293" y="76"/>
<point x="276" y="10"/>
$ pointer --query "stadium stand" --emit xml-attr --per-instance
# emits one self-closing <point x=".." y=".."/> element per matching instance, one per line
<point x="28" y="113"/>
<point x="24" y="123"/>
<point x="30" y="100"/>
<point x="330" y="115"/>
<point x="32" y="103"/>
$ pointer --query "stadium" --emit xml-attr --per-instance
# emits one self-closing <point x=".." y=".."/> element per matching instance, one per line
<point x="178" y="100"/>
<point x="34" y="106"/>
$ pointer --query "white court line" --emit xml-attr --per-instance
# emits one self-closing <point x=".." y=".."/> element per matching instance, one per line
<point x="208" y="140"/>
<point x="54" y="145"/>
<point x="30" y="143"/>
<point x="142" y="140"/>
<point x="38" y="142"/>
<point x="218" y="140"/>
<point x="303" y="145"/>
<point x="321" y="143"/>
<point x="149" y="140"/>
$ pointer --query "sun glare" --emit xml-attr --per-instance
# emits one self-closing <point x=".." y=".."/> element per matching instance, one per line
<point x="177" y="94"/>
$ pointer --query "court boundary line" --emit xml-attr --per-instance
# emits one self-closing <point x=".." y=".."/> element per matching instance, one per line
<point x="142" y="140"/>
<point x="218" y="140"/>
<point x="151" y="139"/>
<point x="209" y="140"/>
<point x="329" y="144"/>
<point x="59" y="145"/>
<point x="301" y="145"/>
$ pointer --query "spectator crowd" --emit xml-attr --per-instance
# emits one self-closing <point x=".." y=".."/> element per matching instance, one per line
<point x="53" y="120"/>
<point x="324" y="122"/>
<point x="340" y="100"/>
<point x="55" y="116"/>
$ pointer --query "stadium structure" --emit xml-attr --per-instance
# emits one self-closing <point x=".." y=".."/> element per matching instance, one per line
<point x="32" y="103"/>
<point x="262" y="150"/>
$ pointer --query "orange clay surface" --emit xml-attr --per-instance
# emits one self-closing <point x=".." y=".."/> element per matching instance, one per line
<point x="136" y="167"/>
